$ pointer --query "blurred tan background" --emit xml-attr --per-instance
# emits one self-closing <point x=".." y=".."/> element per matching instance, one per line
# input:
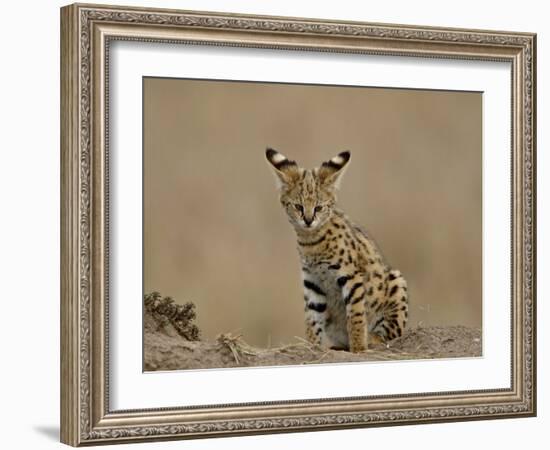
<point x="215" y="234"/>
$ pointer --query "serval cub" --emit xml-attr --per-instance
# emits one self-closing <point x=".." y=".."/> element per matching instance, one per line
<point x="351" y="295"/>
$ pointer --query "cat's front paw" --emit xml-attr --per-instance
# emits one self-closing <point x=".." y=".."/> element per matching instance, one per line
<point x="359" y="347"/>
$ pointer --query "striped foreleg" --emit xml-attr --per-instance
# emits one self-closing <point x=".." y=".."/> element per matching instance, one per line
<point x="315" y="311"/>
<point x="353" y="296"/>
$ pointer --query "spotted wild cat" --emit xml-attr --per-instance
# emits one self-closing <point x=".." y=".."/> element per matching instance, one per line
<point x="351" y="295"/>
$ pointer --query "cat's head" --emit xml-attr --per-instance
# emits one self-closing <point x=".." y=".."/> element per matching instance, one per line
<point x="307" y="196"/>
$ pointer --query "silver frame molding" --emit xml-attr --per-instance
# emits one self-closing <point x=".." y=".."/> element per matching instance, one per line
<point x="86" y="33"/>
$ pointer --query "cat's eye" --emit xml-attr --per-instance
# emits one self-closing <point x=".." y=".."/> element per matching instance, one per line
<point x="318" y="208"/>
<point x="299" y="207"/>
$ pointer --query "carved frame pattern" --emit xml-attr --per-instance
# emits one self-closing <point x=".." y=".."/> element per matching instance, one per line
<point x="87" y="31"/>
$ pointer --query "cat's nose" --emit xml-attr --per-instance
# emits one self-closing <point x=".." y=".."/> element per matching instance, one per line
<point x="307" y="221"/>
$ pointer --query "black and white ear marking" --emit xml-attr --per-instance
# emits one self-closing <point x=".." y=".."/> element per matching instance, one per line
<point x="278" y="160"/>
<point x="285" y="169"/>
<point x="338" y="162"/>
<point x="331" y="171"/>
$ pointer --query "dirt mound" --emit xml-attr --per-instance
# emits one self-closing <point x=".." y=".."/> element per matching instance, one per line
<point x="171" y="342"/>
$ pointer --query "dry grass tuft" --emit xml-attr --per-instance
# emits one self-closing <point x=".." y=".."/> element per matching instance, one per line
<point x="165" y="311"/>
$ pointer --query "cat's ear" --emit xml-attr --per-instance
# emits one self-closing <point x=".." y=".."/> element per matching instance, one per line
<point x="286" y="171"/>
<point x="331" y="171"/>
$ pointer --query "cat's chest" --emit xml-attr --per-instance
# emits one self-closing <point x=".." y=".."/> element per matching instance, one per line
<point x="326" y="279"/>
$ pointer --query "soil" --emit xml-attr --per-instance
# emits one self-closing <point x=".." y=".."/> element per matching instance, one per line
<point x="172" y="342"/>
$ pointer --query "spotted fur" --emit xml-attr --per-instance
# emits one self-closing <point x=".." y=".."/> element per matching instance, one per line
<point x="351" y="295"/>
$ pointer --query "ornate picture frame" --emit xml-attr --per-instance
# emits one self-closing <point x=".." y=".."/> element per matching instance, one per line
<point x="87" y="31"/>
